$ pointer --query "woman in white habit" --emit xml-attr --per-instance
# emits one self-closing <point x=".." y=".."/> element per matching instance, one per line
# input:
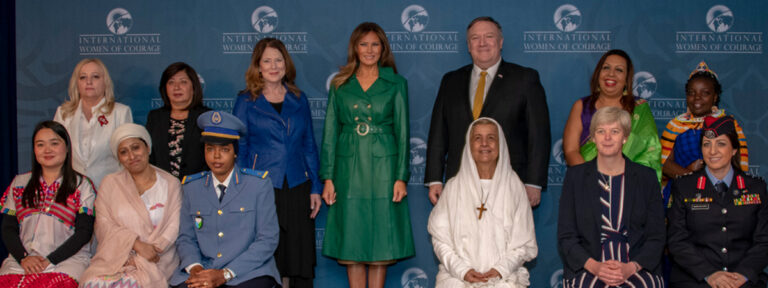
<point x="482" y="226"/>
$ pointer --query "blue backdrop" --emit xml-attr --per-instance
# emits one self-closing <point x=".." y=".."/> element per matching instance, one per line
<point x="561" y="39"/>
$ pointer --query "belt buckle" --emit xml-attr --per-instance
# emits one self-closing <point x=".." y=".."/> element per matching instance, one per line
<point x="359" y="126"/>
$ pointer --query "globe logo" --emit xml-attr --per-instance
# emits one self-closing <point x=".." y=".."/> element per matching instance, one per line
<point x="556" y="280"/>
<point x="719" y="18"/>
<point x="567" y="18"/>
<point x="418" y="151"/>
<point x="264" y="19"/>
<point x="643" y="85"/>
<point x="414" y="18"/>
<point x="202" y="81"/>
<point x="328" y="81"/>
<point x="414" y="278"/>
<point x="557" y="152"/>
<point x="119" y="21"/>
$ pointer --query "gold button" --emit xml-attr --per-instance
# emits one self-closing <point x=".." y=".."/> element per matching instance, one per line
<point x="369" y="106"/>
<point x="220" y="212"/>
<point x="221" y="234"/>
<point x="354" y="106"/>
<point x="218" y="255"/>
<point x="357" y="118"/>
<point x="369" y="119"/>
<point x="198" y="212"/>
<point x="242" y="209"/>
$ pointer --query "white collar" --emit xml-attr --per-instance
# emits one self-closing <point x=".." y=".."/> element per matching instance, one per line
<point x="95" y="108"/>
<point x="491" y="70"/>
<point x="226" y="181"/>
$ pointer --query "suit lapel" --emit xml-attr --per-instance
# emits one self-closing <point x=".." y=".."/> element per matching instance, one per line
<point x="630" y="191"/>
<point x="592" y="194"/>
<point x="494" y="94"/>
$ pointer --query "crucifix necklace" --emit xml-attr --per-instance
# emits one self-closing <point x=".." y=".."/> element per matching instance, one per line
<point x="482" y="203"/>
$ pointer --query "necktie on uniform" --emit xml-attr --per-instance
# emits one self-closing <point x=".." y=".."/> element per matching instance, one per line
<point x="222" y="188"/>
<point x="721" y="188"/>
<point x="477" y="105"/>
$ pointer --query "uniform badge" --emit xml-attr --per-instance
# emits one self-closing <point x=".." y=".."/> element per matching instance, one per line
<point x="699" y="206"/>
<point x="747" y="199"/>
<point x="216" y="117"/>
<point x="199" y="222"/>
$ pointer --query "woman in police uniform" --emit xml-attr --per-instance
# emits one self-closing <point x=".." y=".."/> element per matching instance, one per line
<point x="718" y="223"/>
<point x="364" y="158"/>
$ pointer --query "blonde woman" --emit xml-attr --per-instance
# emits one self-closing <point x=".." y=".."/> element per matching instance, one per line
<point x="90" y="116"/>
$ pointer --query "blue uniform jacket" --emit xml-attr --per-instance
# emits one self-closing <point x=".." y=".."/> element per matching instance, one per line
<point x="282" y="144"/>
<point x="240" y="233"/>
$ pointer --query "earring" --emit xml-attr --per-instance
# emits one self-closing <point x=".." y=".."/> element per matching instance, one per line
<point x="623" y="141"/>
<point x="597" y="90"/>
<point x="625" y="92"/>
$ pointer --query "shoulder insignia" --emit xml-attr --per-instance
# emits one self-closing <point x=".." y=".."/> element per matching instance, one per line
<point x="252" y="172"/>
<point x="640" y="101"/>
<point x="192" y="177"/>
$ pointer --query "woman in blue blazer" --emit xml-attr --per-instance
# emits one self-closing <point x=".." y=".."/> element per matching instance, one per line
<point x="280" y="141"/>
<point x="610" y="228"/>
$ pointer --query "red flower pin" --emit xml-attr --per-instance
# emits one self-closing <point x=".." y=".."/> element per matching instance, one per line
<point x="103" y="120"/>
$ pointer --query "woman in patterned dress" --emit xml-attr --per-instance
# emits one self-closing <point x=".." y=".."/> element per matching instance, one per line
<point x="47" y="216"/>
<point x="611" y="221"/>
<point x="177" y="147"/>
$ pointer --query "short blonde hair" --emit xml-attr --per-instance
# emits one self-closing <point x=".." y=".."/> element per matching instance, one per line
<point x="69" y="107"/>
<point x="609" y="115"/>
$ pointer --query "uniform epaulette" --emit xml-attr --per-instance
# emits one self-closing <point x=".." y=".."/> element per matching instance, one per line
<point x="192" y="177"/>
<point x="257" y="173"/>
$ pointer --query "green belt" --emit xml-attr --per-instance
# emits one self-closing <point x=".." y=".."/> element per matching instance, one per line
<point x="363" y="128"/>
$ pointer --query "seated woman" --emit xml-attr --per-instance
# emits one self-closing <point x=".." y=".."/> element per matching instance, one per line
<point x="718" y="224"/>
<point x="138" y="218"/>
<point x="610" y="228"/>
<point x="683" y="157"/>
<point x="482" y="226"/>
<point x="47" y="216"/>
<point x="611" y="86"/>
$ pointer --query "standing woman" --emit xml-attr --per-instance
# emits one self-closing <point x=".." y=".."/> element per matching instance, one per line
<point x="610" y="228"/>
<point x="364" y="160"/>
<point x="280" y="140"/>
<point x="611" y="86"/>
<point x="718" y="223"/>
<point x="90" y="116"/>
<point x="177" y="147"/>
<point x="47" y="216"/>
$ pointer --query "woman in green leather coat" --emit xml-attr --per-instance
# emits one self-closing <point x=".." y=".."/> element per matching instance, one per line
<point x="364" y="161"/>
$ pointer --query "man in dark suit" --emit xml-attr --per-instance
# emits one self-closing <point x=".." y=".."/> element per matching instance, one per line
<point x="489" y="87"/>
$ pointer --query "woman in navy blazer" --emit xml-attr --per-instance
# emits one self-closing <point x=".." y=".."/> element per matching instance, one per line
<point x="611" y="222"/>
<point x="280" y="141"/>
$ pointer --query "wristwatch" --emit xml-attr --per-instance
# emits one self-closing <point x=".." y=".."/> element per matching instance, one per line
<point x="228" y="274"/>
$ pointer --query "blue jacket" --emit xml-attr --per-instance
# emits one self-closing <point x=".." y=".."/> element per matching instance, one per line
<point x="282" y="144"/>
<point x="240" y="233"/>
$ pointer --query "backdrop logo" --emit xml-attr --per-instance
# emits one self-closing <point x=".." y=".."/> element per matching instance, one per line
<point x="414" y="19"/>
<point x="202" y="81"/>
<point x="754" y="170"/>
<point x="414" y="277"/>
<point x="556" y="171"/>
<point x="719" y="20"/>
<point x="567" y="18"/>
<point x="643" y="85"/>
<point x="418" y="160"/>
<point x="566" y="39"/>
<point x="556" y="280"/>
<point x="319" y="235"/>
<point x="119" y="42"/>
<point x="264" y="21"/>
<point x="119" y="21"/>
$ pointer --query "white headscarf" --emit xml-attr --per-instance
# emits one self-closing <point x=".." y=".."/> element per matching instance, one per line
<point x="503" y="239"/>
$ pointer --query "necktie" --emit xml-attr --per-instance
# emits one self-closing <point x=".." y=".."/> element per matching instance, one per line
<point x="477" y="106"/>
<point x="721" y="188"/>
<point x="222" y="188"/>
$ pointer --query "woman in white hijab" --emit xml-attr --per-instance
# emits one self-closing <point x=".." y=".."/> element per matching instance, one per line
<point x="482" y="227"/>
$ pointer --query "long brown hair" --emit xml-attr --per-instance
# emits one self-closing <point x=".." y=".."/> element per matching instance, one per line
<point x="628" y="100"/>
<point x="254" y="83"/>
<point x="69" y="107"/>
<point x="197" y="88"/>
<point x="386" y="59"/>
